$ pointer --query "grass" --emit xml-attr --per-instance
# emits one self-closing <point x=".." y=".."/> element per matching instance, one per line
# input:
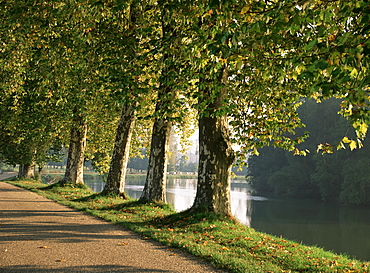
<point x="221" y="240"/>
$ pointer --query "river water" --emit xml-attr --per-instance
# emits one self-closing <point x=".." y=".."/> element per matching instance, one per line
<point x="342" y="229"/>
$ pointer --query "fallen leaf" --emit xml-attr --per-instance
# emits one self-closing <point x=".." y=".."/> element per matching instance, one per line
<point x="173" y="254"/>
<point x="60" y="261"/>
<point x="44" y="247"/>
<point x="123" y="244"/>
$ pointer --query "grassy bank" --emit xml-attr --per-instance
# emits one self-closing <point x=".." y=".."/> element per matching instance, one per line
<point x="221" y="240"/>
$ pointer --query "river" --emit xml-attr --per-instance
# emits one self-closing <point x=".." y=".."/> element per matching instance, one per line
<point x="342" y="229"/>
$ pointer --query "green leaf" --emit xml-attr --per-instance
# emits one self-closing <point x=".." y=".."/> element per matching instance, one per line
<point x="311" y="44"/>
<point x="321" y="65"/>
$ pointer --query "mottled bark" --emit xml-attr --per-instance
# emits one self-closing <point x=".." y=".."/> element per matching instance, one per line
<point x="155" y="184"/>
<point x="26" y="171"/>
<point x="116" y="177"/>
<point x="76" y="152"/>
<point x="216" y="156"/>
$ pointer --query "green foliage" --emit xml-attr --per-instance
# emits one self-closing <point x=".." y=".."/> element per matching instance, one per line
<point x="251" y="62"/>
<point x="95" y="55"/>
<point x="341" y="176"/>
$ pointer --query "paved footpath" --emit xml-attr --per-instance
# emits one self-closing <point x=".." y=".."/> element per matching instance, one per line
<point x="39" y="235"/>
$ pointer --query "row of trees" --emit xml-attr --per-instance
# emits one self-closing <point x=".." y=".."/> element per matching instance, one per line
<point x="72" y="70"/>
<point x="342" y="176"/>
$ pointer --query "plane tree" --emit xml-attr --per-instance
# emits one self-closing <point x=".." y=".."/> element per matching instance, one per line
<point x="250" y="61"/>
<point x="28" y="138"/>
<point x="310" y="49"/>
<point x="29" y="121"/>
<point x="129" y="76"/>
<point x="255" y="60"/>
<point x="58" y="64"/>
<point x="75" y="75"/>
<point x="81" y="79"/>
<point x="172" y="113"/>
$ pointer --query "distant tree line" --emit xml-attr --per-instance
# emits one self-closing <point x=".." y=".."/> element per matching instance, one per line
<point x="343" y="176"/>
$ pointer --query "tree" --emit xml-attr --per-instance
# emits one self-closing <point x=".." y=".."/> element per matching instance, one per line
<point x="30" y="124"/>
<point x="75" y="59"/>
<point x="80" y="76"/>
<point x="171" y="109"/>
<point x="221" y="98"/>
<point x="154" y="189"/>
<point x="273" y="52"/>
<point x="118" y="166"/>
<point x="340" y="176"/>
<point x="155" y="184"/>
<point x="76" y="151"/>
<point x="27" y="137"/>
<point x="132" y="94"/>
<point x="243" y="65"/>
<point x="216" y="155"/>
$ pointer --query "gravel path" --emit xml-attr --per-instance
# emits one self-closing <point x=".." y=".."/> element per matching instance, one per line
<point x="39" y="235"/>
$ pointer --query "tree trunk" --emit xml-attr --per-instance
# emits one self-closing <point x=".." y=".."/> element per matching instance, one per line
<point x="39" y="172"/>
<point x="26" y="171"/>
<point x="76" y="152"/>
<point x="155" y="184"/>
<point x="216" y="156"/>
<point x="116" y="177"/>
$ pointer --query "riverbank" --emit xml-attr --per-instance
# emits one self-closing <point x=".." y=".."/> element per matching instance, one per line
<point x="223" y="241"/>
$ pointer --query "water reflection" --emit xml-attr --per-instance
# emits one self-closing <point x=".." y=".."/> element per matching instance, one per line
<point x="181" y="193"/>
<point x="242" y="196"/>
<point x="338" y="228"/>
<point x="334" y="227"/>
